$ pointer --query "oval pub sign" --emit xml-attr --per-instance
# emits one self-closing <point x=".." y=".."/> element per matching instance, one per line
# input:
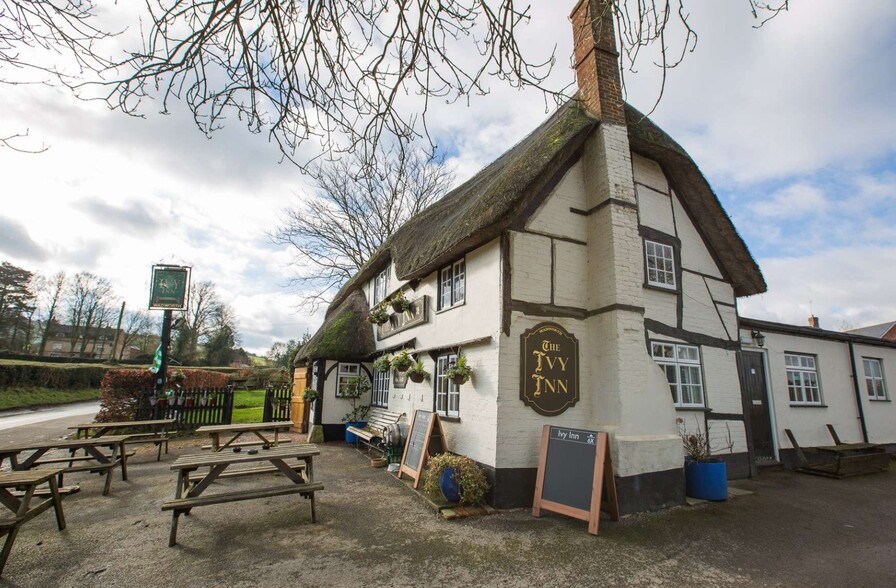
<point x="549" y="369"/>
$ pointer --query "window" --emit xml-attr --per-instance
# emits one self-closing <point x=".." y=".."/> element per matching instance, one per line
<point x="447" y="392"/>
<point x="345" y="373"/>
<point x="802" y="379"/>
<point x="683" y="372"/>
<point x="452" y="285"/>
<point x="379" y="395"/>
<point x="381" y="285"/>
<point x="874" y="379"/>
<point x="660" y="264"/>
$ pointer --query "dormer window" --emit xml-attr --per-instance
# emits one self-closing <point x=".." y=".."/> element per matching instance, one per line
<point x="381" y="285"/>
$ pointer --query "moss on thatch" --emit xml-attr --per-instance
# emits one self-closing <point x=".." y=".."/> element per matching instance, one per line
<point x="345" y="334"/>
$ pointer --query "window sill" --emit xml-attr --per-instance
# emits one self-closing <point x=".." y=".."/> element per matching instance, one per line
<point x="448" y="419"/>
<point x="792" y="405"/>
<point x="452" y="307"/>
<point x="693" y="408"/>
<point x="666" y="289"/>
<point x="879" y="400"/>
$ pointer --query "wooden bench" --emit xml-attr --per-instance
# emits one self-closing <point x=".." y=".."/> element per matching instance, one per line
<point x="250" y="443"/>
<point x="21" y="506"/>
<point x="843" y="460"/>
<point x="191" y="484"/>
<point x="377" y="421"/>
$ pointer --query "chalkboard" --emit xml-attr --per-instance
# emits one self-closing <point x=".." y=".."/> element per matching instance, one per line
<point x="425" y="438"/>
<point x="575" y="475"/>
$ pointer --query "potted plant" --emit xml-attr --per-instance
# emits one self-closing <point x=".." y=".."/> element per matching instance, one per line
<point x="458" y="477"/>
<point x="403" y="361"/>
<point x="459" y="372"/>
<point x="310" y="395"/>
<point x="399" y="302"/>
<point x="706" y="476"/>
<point x="378" y="315"/>
<point x="416" y="372"/>
<point x="353" y="390"/>
<point x="382" y="364"/>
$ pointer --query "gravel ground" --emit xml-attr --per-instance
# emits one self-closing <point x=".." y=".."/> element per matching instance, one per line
<point x="793" y="530"/>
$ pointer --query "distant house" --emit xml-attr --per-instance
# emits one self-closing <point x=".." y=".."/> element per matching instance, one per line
<point x="882" y="331"/>
<point x="66" y="341"/>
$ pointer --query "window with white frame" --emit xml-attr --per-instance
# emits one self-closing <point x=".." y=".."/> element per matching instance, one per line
<point x="452" y="285"/>
<point x="379" y="395"/>
<point x="447" y="392"/>
<point x="683" y="372"/>
<point x="874" y="378"/>
<point x="381" y="285"/>
<point x="345" y="372"/>
<point x="802" y="379"/>
<point x="660" y="264"/>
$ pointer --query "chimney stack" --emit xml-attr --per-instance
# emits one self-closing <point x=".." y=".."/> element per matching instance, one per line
<point x="596" y="60"/>
<point x="813" y="321"/>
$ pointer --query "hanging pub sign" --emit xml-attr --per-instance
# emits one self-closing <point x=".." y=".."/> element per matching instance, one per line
<point x="170" y="287"/>
<point x="549" y="369"/>
<point x="400" y="321"/>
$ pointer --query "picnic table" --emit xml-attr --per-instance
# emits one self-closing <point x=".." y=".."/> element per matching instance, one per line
<point x="27" y="457"/>
<point x="157" y="431"/>
<point x="21" y="505"/>
<point x="189" y="492"/>
<point x="237" y="431"/>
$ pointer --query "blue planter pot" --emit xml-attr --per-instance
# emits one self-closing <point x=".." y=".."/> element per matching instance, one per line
<point x="706" y="480"/>
<point x="449" y="486"/>
<point x="351" y="437"/>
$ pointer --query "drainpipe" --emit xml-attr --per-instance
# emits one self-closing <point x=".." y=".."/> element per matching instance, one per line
<point x="855" y="383"/>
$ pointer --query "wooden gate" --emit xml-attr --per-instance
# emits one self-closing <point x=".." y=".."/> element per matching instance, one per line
<point x="277" y="403"/>
<point x="300" y="408"/>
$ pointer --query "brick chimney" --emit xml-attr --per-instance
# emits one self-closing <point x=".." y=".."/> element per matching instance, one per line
<point x="596" y="60"/>
<point x="813" y="321"/>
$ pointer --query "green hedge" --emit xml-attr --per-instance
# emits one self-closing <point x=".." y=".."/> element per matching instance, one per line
<point x="50" y="376"/>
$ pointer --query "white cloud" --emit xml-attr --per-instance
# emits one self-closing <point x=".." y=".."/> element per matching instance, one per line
<point x="794" y="201"/>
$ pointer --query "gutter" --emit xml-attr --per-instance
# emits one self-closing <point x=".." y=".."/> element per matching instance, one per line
<point x="858" y="390"/>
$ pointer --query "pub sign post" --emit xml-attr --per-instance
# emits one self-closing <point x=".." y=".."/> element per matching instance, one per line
<point x="169" y="291"/>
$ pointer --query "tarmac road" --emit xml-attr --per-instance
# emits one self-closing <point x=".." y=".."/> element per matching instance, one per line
<point x="373" y="531"/>
<point x="31" y="426"/>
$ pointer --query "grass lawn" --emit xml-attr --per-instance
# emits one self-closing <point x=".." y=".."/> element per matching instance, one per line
<point x="248" y="406"/>
<point x="15" y="397"/>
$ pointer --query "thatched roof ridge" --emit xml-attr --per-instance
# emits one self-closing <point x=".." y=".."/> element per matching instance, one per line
<point x="345" y="334"/>
<point x="493" y="200"/>
<point x="700" y="201"/>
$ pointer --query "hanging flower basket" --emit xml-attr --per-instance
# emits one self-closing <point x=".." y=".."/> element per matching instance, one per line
<point x="417" y="377"/>
<point x="459" y="372"/>
<point x="378" y="315"/>
<point x="403" y="361"/>
<point x="399" y="302"/>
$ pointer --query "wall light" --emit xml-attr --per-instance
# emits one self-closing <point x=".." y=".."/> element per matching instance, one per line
<point x="758" y="338"/>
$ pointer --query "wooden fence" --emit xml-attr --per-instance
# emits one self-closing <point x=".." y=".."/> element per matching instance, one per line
<point x="277" y="403"/>
<point x="192" y="408"/>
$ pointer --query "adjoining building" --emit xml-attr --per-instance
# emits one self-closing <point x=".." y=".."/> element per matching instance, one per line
<point x="590" y="276"/>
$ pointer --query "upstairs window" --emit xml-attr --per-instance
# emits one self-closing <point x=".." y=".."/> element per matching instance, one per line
<point x="452" y="285"/>
<point x="802" y="379"/>
<point x="381" y="285"/>
<point x="874" y="379"/>
<point x="683" y="372"/>
<point x="660" y="264"/>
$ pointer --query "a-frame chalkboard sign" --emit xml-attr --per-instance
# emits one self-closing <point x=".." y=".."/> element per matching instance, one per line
<point x="425" y="438"/>
<point x="575" y="475"/>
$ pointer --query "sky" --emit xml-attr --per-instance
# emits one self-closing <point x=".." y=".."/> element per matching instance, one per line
<point x="792" y="125"/>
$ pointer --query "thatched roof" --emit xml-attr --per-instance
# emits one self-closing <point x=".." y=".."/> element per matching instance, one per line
<point x="504" y="192"/>
<point x="345" y="334"/>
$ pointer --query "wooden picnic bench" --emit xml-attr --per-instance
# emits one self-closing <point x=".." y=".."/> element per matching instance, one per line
<point x="189" y="492"/>
<point x="377" y="421"/>
<point x="32" y="456"/>
<point x="257" y="430"/>
<point x="153" y="431"/>
<point x="848" y="459"/>
<point x="22" y="507"/>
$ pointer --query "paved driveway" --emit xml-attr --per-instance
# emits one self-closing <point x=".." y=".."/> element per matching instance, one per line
<point x="794" y="530"/>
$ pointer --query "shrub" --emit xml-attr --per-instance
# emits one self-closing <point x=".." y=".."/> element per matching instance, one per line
<point x="50" y="376"/>
<point x="467" y="473"/>
<point x="262" y="377"/>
